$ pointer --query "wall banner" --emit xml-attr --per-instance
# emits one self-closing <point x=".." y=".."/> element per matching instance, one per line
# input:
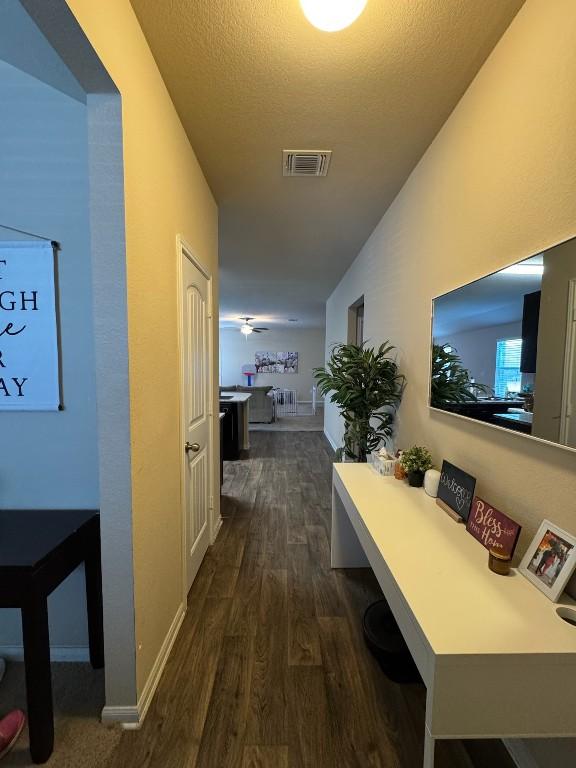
<point x="29" y="349"/>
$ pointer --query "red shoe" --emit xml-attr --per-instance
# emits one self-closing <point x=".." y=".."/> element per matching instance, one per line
<point x="10" y="729"/>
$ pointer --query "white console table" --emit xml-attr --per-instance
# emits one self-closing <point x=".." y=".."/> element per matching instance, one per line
<point x="496" y="659"/>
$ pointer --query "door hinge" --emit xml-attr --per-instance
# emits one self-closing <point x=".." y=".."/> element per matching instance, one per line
<point x="211" y="502"/>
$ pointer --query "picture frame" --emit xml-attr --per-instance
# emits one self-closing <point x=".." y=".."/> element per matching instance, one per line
<point x="550" y="560"/>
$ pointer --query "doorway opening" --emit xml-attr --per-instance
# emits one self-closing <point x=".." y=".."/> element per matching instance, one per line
<point x="70" y="145"/>
<point x="356" y="322"/>
<point x="273" y="368"/>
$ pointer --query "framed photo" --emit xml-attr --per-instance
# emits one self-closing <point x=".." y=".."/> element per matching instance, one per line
<point x="550" y="560"/>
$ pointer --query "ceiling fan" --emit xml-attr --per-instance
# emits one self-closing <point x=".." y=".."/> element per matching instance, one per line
<point x="247" y="329"/>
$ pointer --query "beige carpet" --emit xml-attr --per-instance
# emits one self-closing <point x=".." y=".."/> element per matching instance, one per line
<point x="293" y="424"/>
<point x="80" y="740"/>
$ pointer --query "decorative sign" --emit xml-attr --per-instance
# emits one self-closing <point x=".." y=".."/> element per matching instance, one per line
<point x="492" y="528"/>
<point x="29" y="359"/>
<point x="456" y="491"/>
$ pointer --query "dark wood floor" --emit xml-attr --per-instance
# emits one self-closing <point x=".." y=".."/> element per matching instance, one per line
<point x="270" y="669"/>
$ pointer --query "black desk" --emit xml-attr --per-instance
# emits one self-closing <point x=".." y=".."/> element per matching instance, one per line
<point x="38" y="550"/>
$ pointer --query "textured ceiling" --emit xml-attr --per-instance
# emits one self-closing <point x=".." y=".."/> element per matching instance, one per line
<point x="252" y="77"/>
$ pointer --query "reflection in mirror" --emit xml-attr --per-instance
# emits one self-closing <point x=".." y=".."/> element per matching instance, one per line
<point x="504" y="347"/>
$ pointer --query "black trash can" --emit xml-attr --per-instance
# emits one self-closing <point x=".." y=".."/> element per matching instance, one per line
<point x="385" y="641"/>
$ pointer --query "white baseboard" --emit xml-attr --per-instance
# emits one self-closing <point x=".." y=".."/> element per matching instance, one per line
<point x="133" y="717"/>
<point x="520" y="753"/>
<point x="330" y="440"/>
<point x="127" y="717"/>
<point x="68" y="653"/>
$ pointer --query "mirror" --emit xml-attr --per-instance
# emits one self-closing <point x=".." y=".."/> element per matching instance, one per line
<point x="504" y="348"/>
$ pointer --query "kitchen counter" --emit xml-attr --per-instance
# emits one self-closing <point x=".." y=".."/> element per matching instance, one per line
<point x="520" y="421"/>
<point x="237" y="438"/>
<point x="234" y="397"/>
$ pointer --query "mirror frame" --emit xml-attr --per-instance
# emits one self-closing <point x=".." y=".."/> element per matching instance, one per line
<point x="469" y="419"/>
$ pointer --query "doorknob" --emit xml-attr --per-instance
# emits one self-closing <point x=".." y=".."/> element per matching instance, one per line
<point x="192" y="447"/>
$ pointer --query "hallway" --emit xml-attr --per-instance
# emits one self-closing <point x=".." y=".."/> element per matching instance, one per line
<point x="270" y="669"/>
<point x="229" y="203"/>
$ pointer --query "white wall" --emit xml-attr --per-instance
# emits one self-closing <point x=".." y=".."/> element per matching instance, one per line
<point x="477" y="348"/>
<point x="51" y="459"/>
<point x="497" y="185"/>
<point x="559" y="270"/>
<point x="236" y="351"/>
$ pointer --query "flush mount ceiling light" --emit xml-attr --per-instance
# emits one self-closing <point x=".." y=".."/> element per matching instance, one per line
<point x="332" y="15"/>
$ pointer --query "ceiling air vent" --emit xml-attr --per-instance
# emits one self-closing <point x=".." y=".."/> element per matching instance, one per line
<point x="306" y="162"/>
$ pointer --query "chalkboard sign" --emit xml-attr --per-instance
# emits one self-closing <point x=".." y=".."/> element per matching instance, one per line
<point x="29" y="350"/>
<point x="495" y="530"/>
<point x="456" y="491"/>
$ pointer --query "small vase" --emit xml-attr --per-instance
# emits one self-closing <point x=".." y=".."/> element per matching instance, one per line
<point x="415" y="479"/>
<point x="431" y="482"/>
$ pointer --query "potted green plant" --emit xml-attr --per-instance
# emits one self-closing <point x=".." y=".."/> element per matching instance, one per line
<point x="415" y="462"/>
<point x="451" y="381"/>
<point x="367" y="386"/>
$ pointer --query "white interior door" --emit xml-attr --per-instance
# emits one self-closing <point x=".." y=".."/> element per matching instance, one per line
<point x="195" y="414"/>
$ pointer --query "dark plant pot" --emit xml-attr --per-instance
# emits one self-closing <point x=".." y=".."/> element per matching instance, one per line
<point x="416" y="479"/>
<point x="384" y="639"/>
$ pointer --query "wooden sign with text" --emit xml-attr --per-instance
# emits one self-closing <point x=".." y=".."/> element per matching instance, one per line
<point x="455" y="491"/>
<point x="492" y="528"/>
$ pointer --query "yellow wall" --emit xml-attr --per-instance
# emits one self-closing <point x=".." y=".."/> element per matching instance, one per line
<point x="498" y="184"/>
<point x="165" y="195"/>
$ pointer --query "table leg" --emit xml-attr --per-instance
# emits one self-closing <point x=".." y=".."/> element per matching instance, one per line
<point x="246" y="422"/>
<point x="93" y="571"/>
<point x="429" y="743"/>
<point x="36" y="639"/>
<point x="345" y="549"/>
